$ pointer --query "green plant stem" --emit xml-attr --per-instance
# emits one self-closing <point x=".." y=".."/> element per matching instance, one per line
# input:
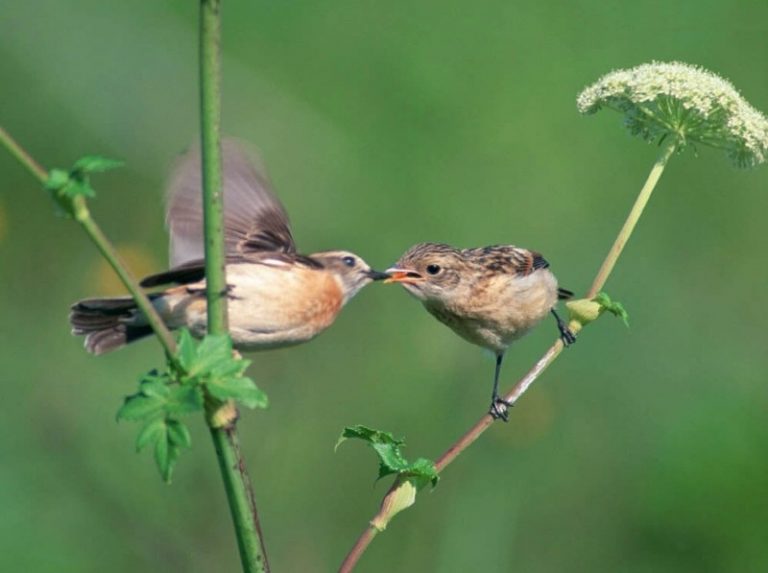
<point x="210" y="118"/>
<point x="550" y="355"/>
<point x="20" y="154"/>
<point x="237" y="484"/>
<point x="83" y="216"/>
<point x="241" y="500"/>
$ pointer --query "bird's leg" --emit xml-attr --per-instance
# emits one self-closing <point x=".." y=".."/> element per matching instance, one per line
<point x="566" y="335"/>
<point x="499" y="406"/>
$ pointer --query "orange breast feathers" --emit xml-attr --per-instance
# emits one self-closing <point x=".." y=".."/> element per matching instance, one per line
<point x="282" y="297"/>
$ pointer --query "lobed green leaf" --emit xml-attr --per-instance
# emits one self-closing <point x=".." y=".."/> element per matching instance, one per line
<point x="140" y="407"/>
<point x="391" y="458"/>
<point x="614" y="307"/>
<point x="150" y="433"/>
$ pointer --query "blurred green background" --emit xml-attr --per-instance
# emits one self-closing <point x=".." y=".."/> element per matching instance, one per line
<point x="384" y="124"/>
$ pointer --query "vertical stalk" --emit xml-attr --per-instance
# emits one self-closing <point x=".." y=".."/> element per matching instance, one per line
<point x="222" y="418"/>
<point x="241" y="500"/>
<point x="210" y="121"/>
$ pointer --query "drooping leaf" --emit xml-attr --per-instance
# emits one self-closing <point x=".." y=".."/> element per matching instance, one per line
<point x="178" y="434"/>
<point x="163" y="459"/>
<point x="150" y="433"/>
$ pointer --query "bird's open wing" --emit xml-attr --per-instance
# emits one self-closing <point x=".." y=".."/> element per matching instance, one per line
<point x="254" y="219"/>
<point x="194" y="271"/>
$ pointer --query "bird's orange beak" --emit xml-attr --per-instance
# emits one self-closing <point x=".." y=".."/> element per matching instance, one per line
<point x="402" y="276"/>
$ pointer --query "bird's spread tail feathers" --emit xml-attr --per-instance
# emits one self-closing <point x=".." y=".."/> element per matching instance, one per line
<point x="105" y="323"/>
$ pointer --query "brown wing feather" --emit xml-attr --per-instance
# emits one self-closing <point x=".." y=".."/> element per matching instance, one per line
<point x="254" y="218"/>
<point x="194" y="271"/>
<point x="507" y="258"/>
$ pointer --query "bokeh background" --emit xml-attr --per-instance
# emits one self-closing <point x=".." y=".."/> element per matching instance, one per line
<point x="384" y="124"/>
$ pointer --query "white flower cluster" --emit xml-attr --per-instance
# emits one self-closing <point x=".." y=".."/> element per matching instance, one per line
<point x="683" y="101"/>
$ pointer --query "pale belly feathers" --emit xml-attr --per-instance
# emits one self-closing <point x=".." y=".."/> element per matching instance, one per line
<point x="269" y="305"/>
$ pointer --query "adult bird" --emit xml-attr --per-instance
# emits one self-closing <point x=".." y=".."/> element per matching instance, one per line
<point x="276" y="297"/>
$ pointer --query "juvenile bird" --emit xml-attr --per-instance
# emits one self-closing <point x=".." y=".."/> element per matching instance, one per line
<point x="490" y="296"/>
<point x="276" y="297"/>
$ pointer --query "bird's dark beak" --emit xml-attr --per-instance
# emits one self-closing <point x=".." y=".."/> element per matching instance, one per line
<point x="377" y="275"/>
<point x="402" y="276"/>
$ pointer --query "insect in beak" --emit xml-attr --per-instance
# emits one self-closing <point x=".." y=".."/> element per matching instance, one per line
<point x="402" y="276"/>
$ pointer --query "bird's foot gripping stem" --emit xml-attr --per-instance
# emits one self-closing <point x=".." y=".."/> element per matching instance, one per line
<point x="500" y="408"/>
<point x="566" y="334"/>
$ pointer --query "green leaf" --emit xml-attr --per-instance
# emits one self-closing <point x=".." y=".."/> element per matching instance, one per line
<point x="57" y="178"/>
<point x="155" y="384"/>
<point x="184" y="399"/>
<point x="162" y="457"/>
<point x="161" y="398"/>
<point x="424" y="472"/>
<point x="166" y="454"/>
<point x="186" y="349"/>
<point x="242" y="389"/>
<point x="391" y="459"/>
<point x="76" y="188"/>
<point x="68" y="185"/>
<point x="178" y="434"/>
<point x="369" y="435"/>
<point x="150" y="433"/>
<point x="96" y="164"/>
<point x="213" y="364"/>
<point x="215" y="349"/>
<point x="140" y="407"/>
<point x="614" y="307"/>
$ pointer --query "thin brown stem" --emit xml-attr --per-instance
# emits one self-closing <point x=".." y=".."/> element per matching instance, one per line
<point x="359" y="548"/>
<point x="553" y="352"/>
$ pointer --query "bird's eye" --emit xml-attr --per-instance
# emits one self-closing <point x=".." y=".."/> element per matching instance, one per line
<point x="433" y="269"/>
<point x="349" y="261"/>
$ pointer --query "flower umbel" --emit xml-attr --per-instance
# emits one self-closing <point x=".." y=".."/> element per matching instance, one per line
<point x="685" y="102"/>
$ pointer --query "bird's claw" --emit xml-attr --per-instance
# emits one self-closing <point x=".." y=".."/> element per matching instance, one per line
<point x="500" y="408"/>
<point x="567" y="336"/>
